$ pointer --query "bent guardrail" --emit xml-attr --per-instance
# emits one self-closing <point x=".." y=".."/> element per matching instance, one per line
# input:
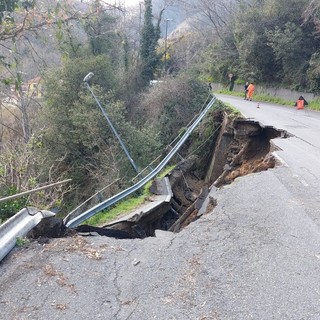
<point x="114" y="199"/>
<point x="18" y="226"/>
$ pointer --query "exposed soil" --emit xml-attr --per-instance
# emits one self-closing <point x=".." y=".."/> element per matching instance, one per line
<point x="249" y="150"/>
<point x="242" y="147"/>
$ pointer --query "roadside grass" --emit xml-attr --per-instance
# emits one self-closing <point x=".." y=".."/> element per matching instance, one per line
<point x="120" y="208"/>
<point x="313" y="105"/>
<point x="20" y="242"/>
<point x="125" y="206"/>
<point x="234" y="112"/>
<point x="231" y="110"/>
<point x="230" y="93"/>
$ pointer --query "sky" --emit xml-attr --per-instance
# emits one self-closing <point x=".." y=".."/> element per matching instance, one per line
<point x="130" y="3"/>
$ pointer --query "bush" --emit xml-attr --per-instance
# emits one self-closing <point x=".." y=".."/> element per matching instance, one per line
<point x="11" y="207"/>
<point x="171" y="104"/>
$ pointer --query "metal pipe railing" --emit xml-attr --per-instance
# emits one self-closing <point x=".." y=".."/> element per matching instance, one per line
<point x="22" y="194"/>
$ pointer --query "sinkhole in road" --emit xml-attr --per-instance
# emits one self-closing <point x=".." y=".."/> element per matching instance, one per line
<point x="242" y="146"/>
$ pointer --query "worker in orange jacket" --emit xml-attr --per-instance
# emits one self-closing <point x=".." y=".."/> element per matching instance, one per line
<point x="250" y="91"/>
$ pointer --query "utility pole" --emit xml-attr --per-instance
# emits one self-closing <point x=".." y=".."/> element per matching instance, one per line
<point x="86" y="81"/>
<point x="140" y="18"/>
<point x="165" y="46"/>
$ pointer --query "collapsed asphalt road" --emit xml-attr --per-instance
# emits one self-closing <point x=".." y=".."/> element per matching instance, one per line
<point x="241" y="147"/>
<point x="255" y="256"/>
<point x="248" y="259"/>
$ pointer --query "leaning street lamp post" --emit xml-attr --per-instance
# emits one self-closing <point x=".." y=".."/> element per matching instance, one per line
<point x="86" y="81"/>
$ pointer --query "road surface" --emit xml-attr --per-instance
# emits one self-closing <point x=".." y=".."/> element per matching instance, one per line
<point x="300" y="153"/>
<point x="255" y="256"/>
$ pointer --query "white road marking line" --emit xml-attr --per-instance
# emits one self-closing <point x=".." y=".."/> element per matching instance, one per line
<point x="303" y="182"/>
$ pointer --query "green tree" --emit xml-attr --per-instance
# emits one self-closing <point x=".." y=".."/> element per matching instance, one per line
<point x="78" y="134"/>
<point x="291" y="50"/>
<point x="68" y="136"/>
<point x="150" y="59"/>
<point x="260" y="44"/>
<point x="66" y="93"/>
<point x="256" y="59"/>
<point x="314" y="73"/>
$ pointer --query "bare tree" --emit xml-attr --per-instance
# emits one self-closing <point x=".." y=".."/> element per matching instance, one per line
<point x="48" y="13"/>
<point x="15" y="34"/>
<point x="312" y="13"/>
<point x="212" y="15"/>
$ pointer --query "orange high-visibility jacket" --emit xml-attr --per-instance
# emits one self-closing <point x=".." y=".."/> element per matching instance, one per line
<point x="250" y="90"/>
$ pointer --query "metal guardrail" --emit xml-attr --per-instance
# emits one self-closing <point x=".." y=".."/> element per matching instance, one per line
<point x="114" y="199"/>
<point x="18" y="226"/>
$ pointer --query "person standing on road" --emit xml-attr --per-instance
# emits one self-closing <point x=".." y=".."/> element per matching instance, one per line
<point x="250" y="91"/>
<point x="246" y="90"/>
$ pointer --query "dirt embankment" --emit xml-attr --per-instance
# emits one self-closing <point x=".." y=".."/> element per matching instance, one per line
<point x="242" y="147"/>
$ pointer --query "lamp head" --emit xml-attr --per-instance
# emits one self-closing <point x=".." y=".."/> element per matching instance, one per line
<point x="88" y="76"/>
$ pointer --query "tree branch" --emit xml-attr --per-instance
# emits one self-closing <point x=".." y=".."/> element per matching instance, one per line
<point x="28" y="24"/>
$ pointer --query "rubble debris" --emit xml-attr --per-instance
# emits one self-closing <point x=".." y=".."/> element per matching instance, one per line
<point x="51" y="227"/>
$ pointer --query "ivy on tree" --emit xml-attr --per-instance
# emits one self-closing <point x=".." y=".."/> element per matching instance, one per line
<point x="149" y="40"/>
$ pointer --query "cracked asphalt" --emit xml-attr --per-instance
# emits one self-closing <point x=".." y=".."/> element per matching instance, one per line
<point x="248" y="259"/>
